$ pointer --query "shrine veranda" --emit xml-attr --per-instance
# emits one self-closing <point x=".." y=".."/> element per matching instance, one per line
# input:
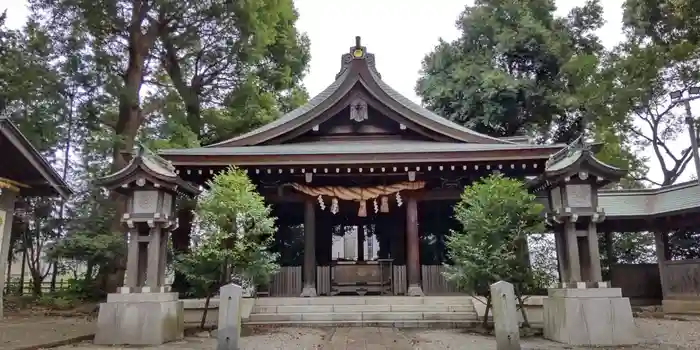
<point x="360" y="158"/>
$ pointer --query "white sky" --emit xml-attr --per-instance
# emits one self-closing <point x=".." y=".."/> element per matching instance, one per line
<point x="398" y="32"/>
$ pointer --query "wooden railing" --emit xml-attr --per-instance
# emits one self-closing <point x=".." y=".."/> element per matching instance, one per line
<point x="286" y="282"/>
<point x="682" y="279"/>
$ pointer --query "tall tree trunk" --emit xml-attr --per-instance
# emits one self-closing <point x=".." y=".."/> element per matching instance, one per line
<point x="129" y="121"/>
<point x="22" y="271"/>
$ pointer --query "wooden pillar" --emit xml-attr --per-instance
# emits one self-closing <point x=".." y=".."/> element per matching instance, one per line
<point x="7" y="210"/>
<point x="360" y="242"/>
<point x="309" y="268"/>
<point x="574" y="265"/>
<point x="596" y="273"/>
<point x="662" y="256"/>
<point x="413" y="244"/>
<point x="132" y="260"/>
<point x="152" y="275"/>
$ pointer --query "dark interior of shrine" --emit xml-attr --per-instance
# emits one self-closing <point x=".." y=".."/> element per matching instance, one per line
<point x="435" y="221"/>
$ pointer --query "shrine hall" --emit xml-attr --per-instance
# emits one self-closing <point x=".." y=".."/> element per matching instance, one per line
<point x="363" y="183"/>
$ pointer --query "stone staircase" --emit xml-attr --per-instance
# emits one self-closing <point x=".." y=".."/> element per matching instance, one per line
<point x="370" y="311"/>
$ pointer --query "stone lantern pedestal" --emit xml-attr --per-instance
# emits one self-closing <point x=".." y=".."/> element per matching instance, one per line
<point x="588" y="315"/>
<point x="582" y="310"/>
<point x="144" y="311"/>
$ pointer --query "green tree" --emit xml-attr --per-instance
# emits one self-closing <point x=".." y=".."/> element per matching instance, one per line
<point x="516" y="69"/>
<point x="496" y="214"/>
<point x="237" y="234"/>
<point x="186" y="69"/>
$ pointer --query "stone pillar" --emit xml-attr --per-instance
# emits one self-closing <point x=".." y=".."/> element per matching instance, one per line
<point x="413" y="246"/>
<point x="132" y="260"/>
<point x="154" y="244"/>
<point x="309" y="249"/>
<point x="163" y="257"/>
<point x="7" y="209"/>
<point x="563" y="264"/>
<point x="584" y="256"/>
<point x="596" y="273"/>
<point x="574" y="262"/>
<point x="505" y="316"/>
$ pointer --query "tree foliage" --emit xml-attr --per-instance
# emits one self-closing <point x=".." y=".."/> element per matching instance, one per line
<point x="237" y="233"/>
<point x="496" y="214"/>
<point x="517" y="69"/>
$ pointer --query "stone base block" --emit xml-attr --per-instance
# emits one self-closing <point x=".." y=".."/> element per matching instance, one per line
<point x="415" y="291"/>
<point x="589" y="317"/>
<point x="682" y="307"/>
<point x="308" y="292"/>
<point x="140" y="319"/>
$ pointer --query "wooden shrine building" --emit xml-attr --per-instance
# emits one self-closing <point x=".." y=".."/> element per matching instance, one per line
<point x="23" y="173"/>
<point x="363" y="181"/>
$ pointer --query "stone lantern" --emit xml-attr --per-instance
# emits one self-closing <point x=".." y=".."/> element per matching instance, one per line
<point x="583" y="309"/>
<point x="144" y="312"/>
<point x="572" y="178"/>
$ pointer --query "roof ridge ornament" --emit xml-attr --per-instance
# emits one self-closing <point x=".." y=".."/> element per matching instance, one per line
<point x="579" y="144"/>
<point x="357" y="52"/>
<point x="144" y="152"/>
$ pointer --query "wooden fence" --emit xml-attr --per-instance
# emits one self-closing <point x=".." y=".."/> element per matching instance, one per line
<point x="323" y="280"/>
<point x="434" y="282"/>
<point x="398" y="280"/>
<point x="287" y="282"/>
<point x="639" y="282"/>
<point x="13" y="287"/>
<point x="682" y="279"/>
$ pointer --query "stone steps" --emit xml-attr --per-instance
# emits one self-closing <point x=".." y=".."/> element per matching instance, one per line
<point x="442" y="312"/>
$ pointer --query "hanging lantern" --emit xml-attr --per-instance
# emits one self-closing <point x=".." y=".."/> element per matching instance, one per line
<point x="399" y="201"/>
<point x="334" y="206"/>
<point x="321" y="204"/>
<point x="385" y="204"/>
<point x="363" y="209"/>
<point x="376" y="206"/>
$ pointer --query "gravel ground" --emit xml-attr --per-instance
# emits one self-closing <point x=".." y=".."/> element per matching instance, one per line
<point x="279" y="339"/>
<point x="654" y="334"/>
<point x="22" y="332"/>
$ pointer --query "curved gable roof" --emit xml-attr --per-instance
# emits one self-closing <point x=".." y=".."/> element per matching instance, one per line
<point x="30" y="168"/>
<point x="358" y="67"/>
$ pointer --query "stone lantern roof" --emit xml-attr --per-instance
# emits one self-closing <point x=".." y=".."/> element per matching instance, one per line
<point x="577" y="159"/>
<point x="147" y="168"/>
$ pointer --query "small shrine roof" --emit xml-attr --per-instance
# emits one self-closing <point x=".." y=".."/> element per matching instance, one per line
<point x="23" y="164"/>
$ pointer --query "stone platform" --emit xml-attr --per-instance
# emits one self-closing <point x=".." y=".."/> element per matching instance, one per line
<point x="366" y="311"/>
<point x="589" y="317"/>
<point x="140" y="319"/>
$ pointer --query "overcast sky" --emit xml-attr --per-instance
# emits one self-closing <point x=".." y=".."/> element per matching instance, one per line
<point x="398" y="32"/>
